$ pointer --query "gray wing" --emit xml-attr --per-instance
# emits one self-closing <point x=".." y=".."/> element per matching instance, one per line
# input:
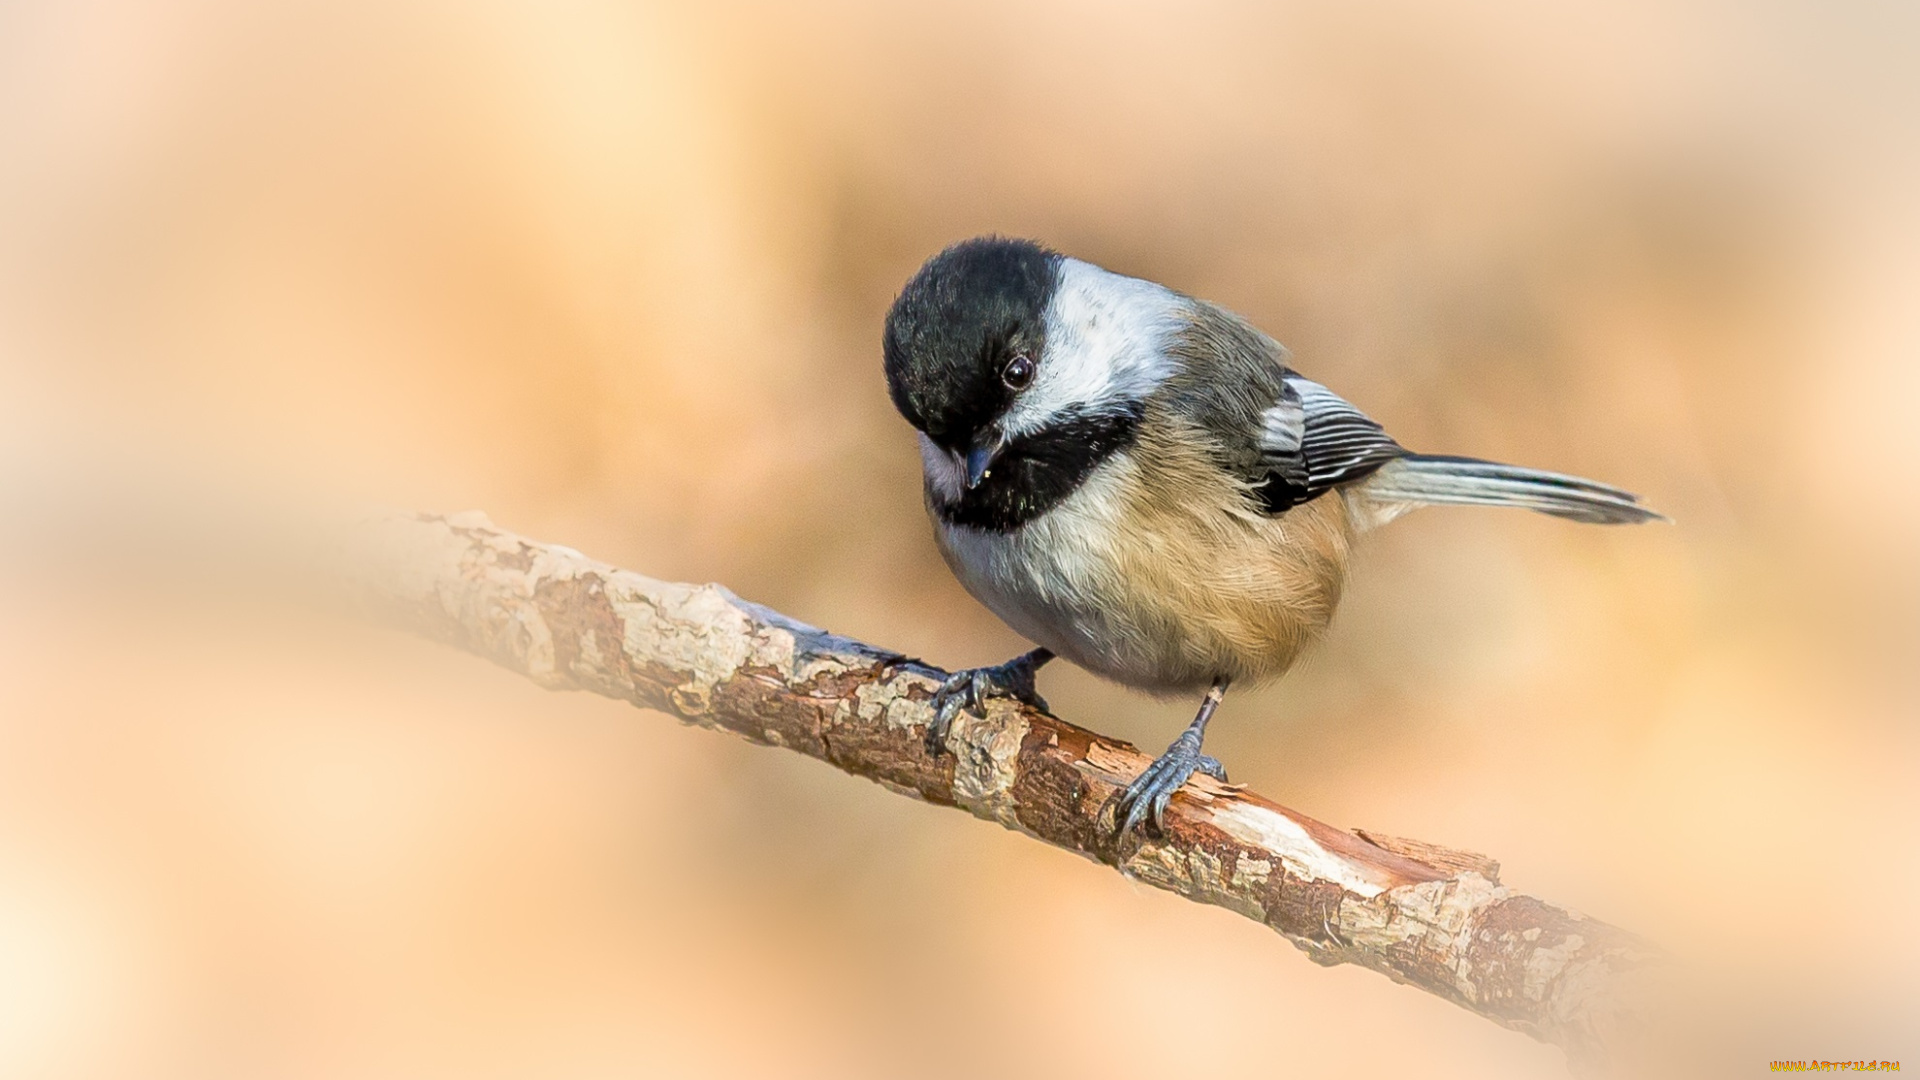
<point x="1312" y="440"/>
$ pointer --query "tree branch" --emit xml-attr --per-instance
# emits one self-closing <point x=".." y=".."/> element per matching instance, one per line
<point x="1421" y="914"/>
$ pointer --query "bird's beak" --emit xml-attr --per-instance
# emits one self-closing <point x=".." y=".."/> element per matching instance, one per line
<point x="980" y="459"/>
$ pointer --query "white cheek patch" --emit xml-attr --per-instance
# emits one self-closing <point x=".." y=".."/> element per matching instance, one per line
<point x="1106" y="346"/>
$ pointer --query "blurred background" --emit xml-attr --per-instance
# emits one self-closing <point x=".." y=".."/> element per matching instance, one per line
<point x="615" y="272"/>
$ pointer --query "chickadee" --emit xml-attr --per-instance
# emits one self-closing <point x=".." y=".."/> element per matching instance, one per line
<point x="1139" y="482"/>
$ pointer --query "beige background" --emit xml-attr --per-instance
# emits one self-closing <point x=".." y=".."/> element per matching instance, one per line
<point x="615" y="274"/>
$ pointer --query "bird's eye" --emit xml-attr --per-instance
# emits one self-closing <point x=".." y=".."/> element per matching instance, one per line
<point x="1018" y="372"/>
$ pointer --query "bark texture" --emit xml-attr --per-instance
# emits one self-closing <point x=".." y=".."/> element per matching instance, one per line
<point x="1422" y="914"/>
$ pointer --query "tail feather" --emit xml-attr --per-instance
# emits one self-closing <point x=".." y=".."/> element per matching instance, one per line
<point x="1419" y="479"/>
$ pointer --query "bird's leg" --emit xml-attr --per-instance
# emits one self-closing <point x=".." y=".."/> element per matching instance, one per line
<point x="971" y="688"/>
<point x="1147" y="796"/>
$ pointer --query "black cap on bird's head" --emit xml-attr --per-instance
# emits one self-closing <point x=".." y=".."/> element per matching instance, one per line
<point x="965" y="336"/>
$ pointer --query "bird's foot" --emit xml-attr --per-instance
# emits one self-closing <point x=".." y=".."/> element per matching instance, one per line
<point x="1146" y="798"/>
<point x="971" y="689"/>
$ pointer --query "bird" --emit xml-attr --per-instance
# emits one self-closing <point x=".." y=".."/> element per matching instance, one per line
<point x="1139" y="482"/>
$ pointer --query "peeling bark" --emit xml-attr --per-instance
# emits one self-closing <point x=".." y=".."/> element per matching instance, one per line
<point x="1424" y="915"/>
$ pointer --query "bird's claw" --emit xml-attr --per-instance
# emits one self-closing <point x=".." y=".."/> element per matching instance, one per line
<point x="1145" y="800"/>
<point x="971" y="689"/>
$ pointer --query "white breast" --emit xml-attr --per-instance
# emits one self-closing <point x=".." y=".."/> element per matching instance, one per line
<point x="1163" y="593"/>
<point x="1057" y="582"/>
